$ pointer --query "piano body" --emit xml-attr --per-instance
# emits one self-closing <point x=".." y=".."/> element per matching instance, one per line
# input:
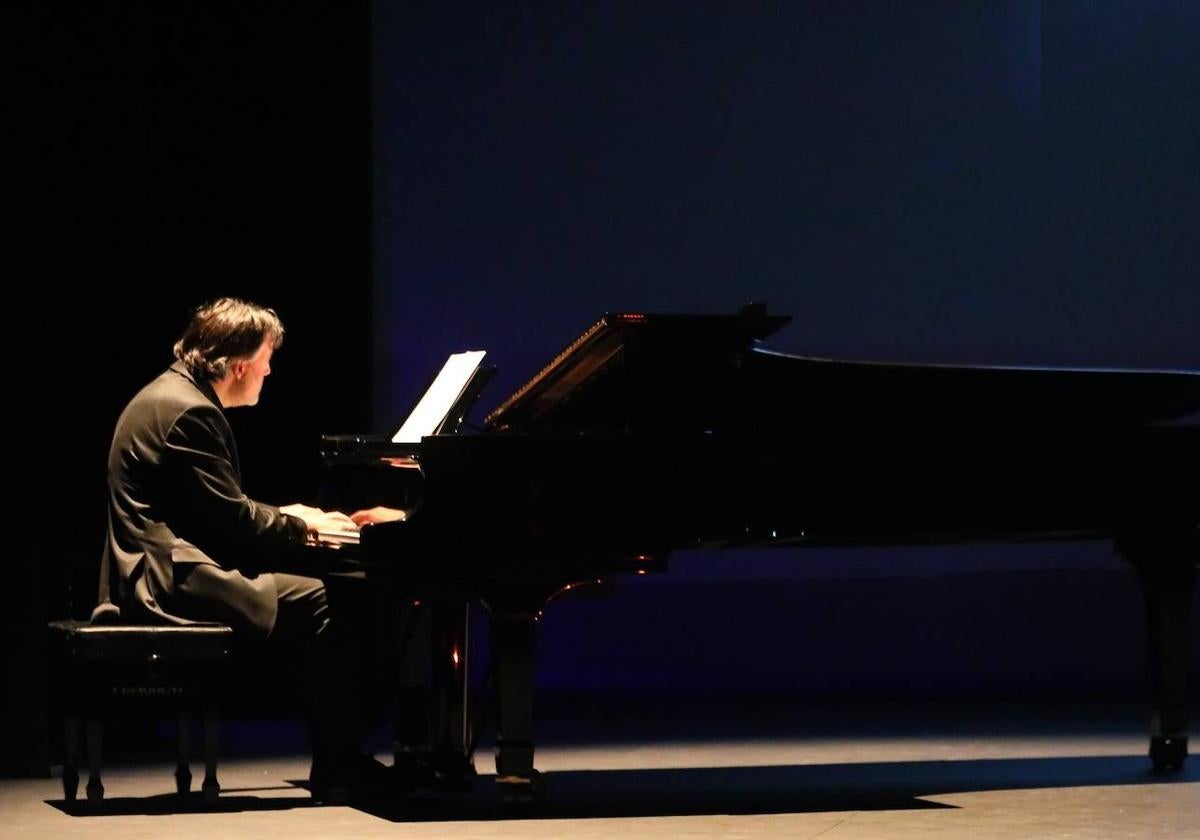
<point x="658" y="432"/>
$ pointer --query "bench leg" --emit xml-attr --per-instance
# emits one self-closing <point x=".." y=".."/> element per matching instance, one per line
<point x="183" y="770"/>
<point x="70" y="778"/>
<point x="95" y="735"/>
<point x="211" y="786"/>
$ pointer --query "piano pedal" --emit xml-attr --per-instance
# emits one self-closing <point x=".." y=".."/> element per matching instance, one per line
<point x="521" y="792"/>
<point x="1168" y="752"/>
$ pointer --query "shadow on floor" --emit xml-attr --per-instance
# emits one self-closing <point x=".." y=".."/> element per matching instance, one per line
<point x="170" y="803"/>
<point x="786" y="789"/>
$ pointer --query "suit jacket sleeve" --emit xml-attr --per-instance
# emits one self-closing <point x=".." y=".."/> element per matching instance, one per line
<point x="213" y="511"/>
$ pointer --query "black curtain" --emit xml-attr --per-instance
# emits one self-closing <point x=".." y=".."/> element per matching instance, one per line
<point x="174" y="153"/>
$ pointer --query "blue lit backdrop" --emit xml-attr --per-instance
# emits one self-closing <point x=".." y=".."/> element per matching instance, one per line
<point x="970" y="182"/>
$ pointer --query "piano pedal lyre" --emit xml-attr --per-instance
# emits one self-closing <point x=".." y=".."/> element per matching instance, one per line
<point x="521" y="791"/>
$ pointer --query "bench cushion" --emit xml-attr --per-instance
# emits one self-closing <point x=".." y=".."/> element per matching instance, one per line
<point x="136" y="642"/>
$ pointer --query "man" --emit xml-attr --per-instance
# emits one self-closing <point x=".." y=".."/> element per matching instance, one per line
<point x="186" y="544"/>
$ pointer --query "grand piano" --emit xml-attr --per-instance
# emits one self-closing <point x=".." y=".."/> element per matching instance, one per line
<point x="652" y="433"/>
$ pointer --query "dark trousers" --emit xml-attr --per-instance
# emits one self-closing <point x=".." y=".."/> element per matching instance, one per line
<point x="327" y="636"/>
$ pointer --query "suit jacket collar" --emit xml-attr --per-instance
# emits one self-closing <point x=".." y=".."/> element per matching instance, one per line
<point x="206" y="389"/>
<point x="202" y="385"/>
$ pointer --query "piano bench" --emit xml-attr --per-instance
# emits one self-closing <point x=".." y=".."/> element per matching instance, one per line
<point x="100" y="665"/>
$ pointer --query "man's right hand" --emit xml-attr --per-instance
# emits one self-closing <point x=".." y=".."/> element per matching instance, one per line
<point x="375" y="515"/>
<point x="316" y="519"/>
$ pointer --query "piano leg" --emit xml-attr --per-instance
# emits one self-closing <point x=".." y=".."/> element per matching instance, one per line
<point x="415" y="653"/>
<point x="1167" y="570"/>
<point x="513" y="638"/>
<point x="452" y="757"/>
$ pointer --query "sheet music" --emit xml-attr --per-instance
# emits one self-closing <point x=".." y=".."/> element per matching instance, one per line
<point x="436" y="403"/>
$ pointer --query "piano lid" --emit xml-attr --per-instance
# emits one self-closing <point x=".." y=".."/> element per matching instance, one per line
<point x="631" y="371"/>
<point x="604" y="344"/>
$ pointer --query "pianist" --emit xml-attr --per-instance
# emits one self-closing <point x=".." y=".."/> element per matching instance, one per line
<point x="186" y="544"/>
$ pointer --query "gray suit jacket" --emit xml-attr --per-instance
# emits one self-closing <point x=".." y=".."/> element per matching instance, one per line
<point x="175" y="501"/>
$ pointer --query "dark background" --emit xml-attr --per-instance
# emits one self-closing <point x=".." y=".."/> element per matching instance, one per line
<point x="996" y="183"/>
<point x="175" y="153"/>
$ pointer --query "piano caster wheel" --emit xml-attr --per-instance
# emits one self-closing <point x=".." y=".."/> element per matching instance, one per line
<point x="1167" y="752"/>
<point x="519" y="792"/>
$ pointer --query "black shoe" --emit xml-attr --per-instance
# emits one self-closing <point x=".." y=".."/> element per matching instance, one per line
<point x="413" y="769"/>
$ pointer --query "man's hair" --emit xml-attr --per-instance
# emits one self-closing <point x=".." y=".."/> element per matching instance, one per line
<point x="223" y="330"/>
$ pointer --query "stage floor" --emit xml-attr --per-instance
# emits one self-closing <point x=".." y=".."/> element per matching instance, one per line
<point x="717" y="768"/>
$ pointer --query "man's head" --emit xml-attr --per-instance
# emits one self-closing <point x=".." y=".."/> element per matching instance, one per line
<point x="229" y="343"/>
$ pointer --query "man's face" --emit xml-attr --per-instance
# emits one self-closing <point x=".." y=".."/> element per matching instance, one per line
<point x="248" y="375"/>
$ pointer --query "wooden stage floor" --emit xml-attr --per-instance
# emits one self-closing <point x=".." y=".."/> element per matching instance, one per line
<point x="732" y="767"/>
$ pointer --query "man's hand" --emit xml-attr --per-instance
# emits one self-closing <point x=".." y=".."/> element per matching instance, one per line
<point x="375" y="515"/>
<point x="300" y="510"/>
<point x="316" y="519"/>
